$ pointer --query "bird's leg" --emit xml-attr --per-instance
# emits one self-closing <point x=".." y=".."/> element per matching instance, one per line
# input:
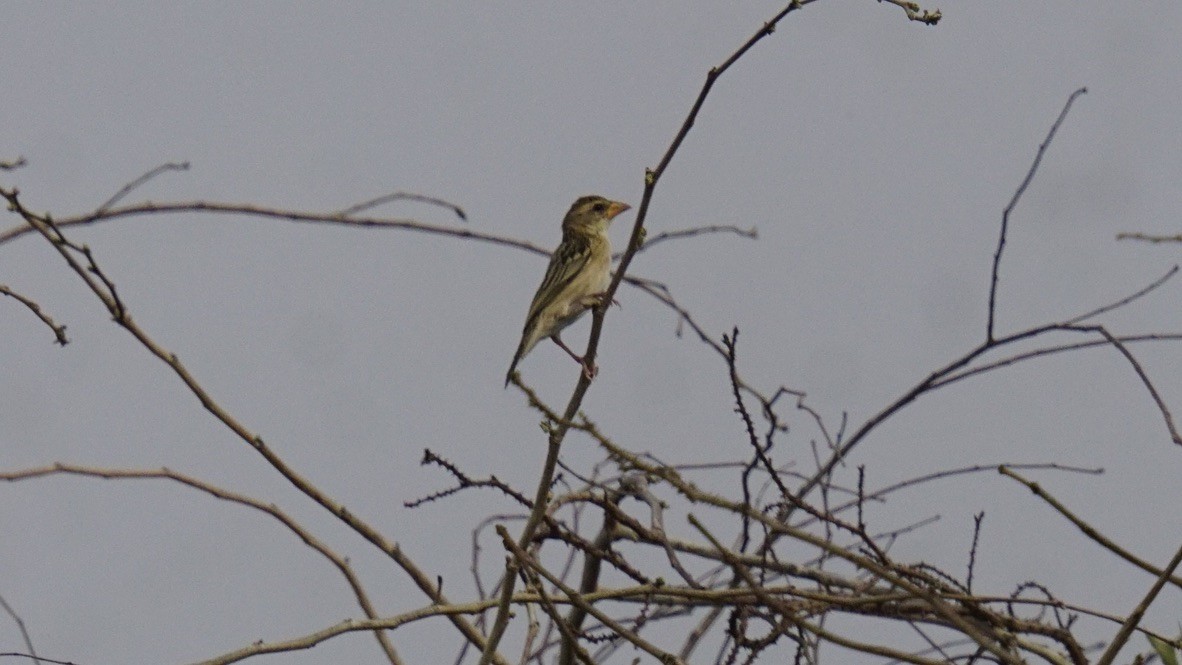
<point x="560" y="343"/>
<point x="589" y="370"/>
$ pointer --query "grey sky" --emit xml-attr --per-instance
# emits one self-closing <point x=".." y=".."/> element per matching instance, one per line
<point x="873" y="154"/>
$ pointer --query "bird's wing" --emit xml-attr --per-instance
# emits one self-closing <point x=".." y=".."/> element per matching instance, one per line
<point x="568" y="261"/>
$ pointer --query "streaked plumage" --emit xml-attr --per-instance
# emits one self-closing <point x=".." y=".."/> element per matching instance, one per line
<point x="578" y="275"/>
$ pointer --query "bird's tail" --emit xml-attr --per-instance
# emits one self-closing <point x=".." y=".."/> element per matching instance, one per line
<point x="509" y="374"/>
<point x="516" y="359"/>
<point x="527" y="344"/>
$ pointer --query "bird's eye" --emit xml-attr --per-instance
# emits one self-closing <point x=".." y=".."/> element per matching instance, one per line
<point x="599" y="207"/>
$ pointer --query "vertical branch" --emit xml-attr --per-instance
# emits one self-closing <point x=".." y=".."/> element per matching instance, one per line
<point x="559" y="429"/>
<point x="1005" y="215"/>
<point x="977" y="519"/>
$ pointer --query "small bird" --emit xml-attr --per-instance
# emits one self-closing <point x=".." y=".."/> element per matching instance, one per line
<point x="576" y="279"/>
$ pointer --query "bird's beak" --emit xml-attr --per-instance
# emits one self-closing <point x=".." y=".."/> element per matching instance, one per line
<point x="616" y="208"/>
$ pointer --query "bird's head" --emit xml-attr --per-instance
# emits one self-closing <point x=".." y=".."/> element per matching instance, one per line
<point x="592" y="215"/>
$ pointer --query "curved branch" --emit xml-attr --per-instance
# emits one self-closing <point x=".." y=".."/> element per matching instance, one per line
<point x="340" y="562"/>
<point x="126" y="189"/>
<point x="404" y="196"/>
<point x="338" y="218"/>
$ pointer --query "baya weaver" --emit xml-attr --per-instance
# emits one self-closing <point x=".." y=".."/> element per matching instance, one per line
<point x="576" y="279"/>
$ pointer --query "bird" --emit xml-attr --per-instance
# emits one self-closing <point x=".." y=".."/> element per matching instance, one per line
<point x="576" y="279"/>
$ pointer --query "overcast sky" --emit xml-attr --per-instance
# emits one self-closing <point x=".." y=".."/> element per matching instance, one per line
<point x="874" y="155"/>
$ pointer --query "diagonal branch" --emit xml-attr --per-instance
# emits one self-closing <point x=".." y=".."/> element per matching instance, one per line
<point x="1087" y="529"/>
<point x="20" y="624"/>
<point x="1134" y="618"/>
<point x="559" y="429"/>
<point x="59" y="332"/>
<point x="127" y="189"/>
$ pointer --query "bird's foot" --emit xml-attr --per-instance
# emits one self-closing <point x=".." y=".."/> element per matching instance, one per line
<point x="589" y="370"/>
<point x="602" y="300"/>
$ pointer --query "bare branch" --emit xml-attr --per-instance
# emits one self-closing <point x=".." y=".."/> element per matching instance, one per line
<point x="127" y="189"/>
<point x="404" y="196"/>
<point x="1155" y="239"/>
<point x="1127" y="299"/>
<point x="1005" y="215"/>
<point x="103" y="289"/>
<point x="1134" y="618"/>
<point x="59" y="332"/>
<point x="1157" y="398"/>
<point x="968" y="580"/>
<point x="335" y="218"/>
<point x="42" y="659"/>
<point x="20" y="624"/>
<point x="1088" y="530"/>
<point x="1051" y="350"/>
<point x="666" y="236"/>
<point x="338" y="561"/>
<point x="579" y="600"/>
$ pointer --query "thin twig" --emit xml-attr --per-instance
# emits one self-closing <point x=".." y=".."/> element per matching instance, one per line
<point x="1127" y="299"/>
<point x="1141" y="374"/>
<point x="339" y="562"/>
<point x="42" y="659"/>
<point x="1155" y="239"/>
<point x="265" y="212"/>
<point x="1087" y="529"/>
<point x="665" y="236"/>
<point x="20" y="624"/>
<point x="1051" y="350"/>
<point x="1005" y="215"/>
<point x="126" y="189"/>
<point x="404" y="196"/>
<point x="59" y="332"/>
<point x="968" y="580"/>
